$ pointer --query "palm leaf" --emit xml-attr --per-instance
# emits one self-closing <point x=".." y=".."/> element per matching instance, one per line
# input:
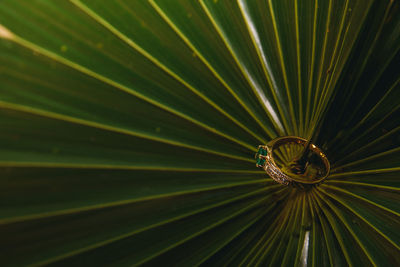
<point x="128" y="130"/>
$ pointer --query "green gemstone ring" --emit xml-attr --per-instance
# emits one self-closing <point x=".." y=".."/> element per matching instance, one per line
<point x="278" y="155"/>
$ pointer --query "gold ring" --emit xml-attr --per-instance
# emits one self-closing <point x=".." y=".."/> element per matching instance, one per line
<point x="278" y="155"/>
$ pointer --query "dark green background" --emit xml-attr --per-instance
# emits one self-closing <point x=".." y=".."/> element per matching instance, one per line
<point x="128" y="131"/>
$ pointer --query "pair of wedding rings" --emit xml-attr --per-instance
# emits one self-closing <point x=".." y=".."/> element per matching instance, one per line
<point x="266" y="159"/>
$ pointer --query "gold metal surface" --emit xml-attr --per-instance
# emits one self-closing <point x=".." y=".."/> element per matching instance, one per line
<point x="276" y="169"/>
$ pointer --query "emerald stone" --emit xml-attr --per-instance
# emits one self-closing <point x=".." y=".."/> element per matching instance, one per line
<point x="259" y="160"/>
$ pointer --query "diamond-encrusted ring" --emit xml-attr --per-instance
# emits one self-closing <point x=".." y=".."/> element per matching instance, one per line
<point x="265" y="160"/>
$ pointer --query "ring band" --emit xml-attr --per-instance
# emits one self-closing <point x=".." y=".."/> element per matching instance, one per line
<point x="265" y="159"/>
